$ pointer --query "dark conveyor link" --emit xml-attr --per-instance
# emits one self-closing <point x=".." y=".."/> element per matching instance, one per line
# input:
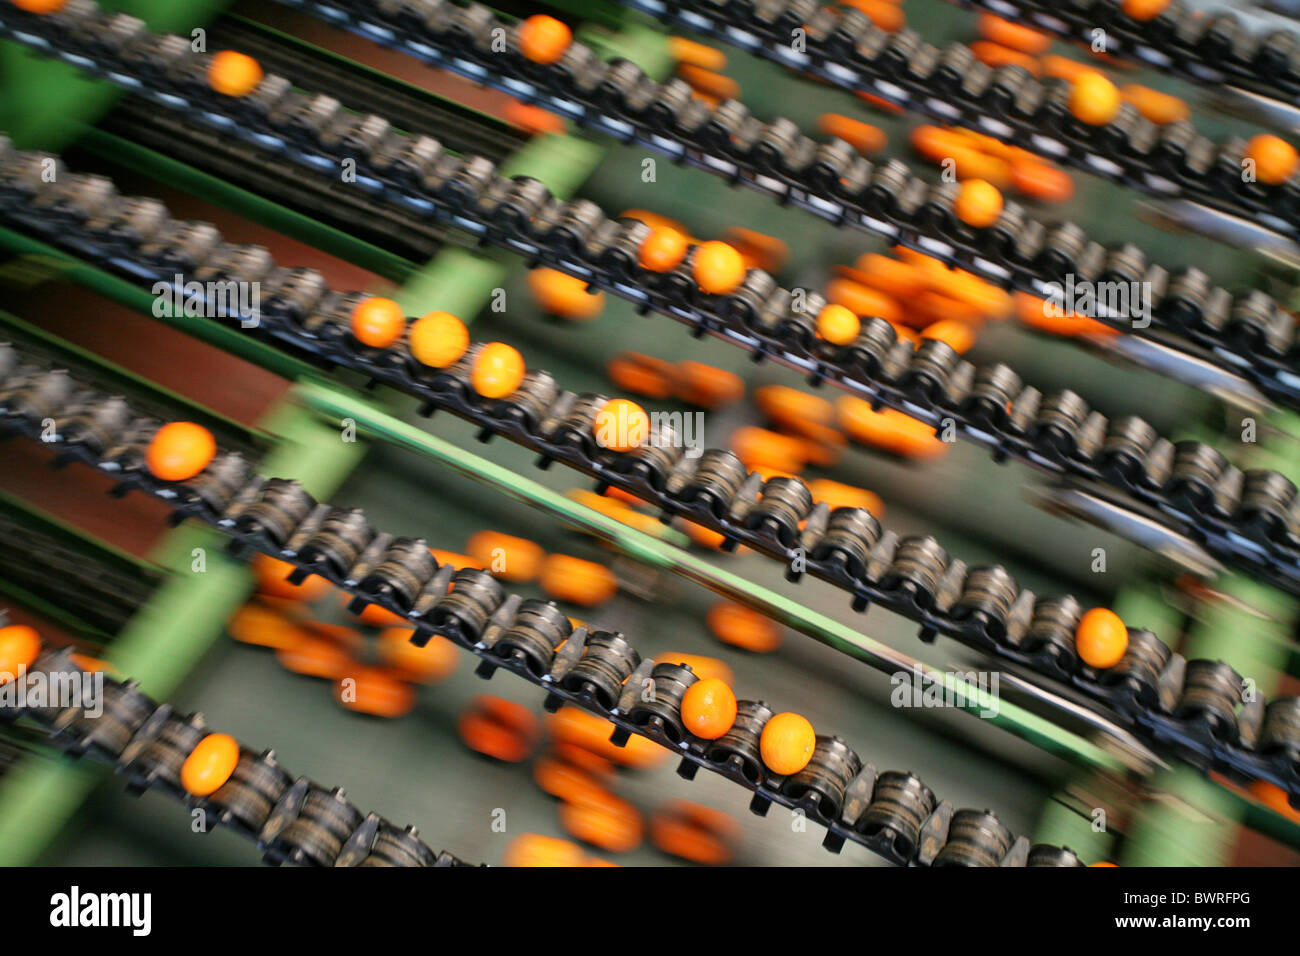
<point x="1248" y="334"/>
<point x="1198" y="709"/>
<point x="43" y="565"/>
<point x="951" y="85"/>
<point x="1212" y="49"/>
<point x="892" y="814"/>
<point x="294" y="821"/>
<point x="1250" y="518"/>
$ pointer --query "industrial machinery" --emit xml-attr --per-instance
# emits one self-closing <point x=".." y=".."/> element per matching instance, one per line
<point x="676" y="365"/>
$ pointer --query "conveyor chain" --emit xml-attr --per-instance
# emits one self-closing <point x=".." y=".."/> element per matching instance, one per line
<point x="292" y="820"/>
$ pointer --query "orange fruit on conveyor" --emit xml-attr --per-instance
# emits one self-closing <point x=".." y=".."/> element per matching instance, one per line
<point x="19" y="647"/>
<point x="180" y="450"/>
<point x="1101" y="638"/>
<point x="543" y="39"/>
<point x="210" y="764"/>
<point x="709" y="708"/>
<point x="377" y="322"/>
<point x="438" y="339"/>
<point x="786" y="744"/>
<point x="234" y="74"/>
<point x="497" y="371"/>
<point x="718" y="268"/>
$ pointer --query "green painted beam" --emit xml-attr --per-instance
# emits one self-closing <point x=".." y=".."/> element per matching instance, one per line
<point x="645" y="45"/>
<point x="563" y="163"/>
<point x="456" y="281"/>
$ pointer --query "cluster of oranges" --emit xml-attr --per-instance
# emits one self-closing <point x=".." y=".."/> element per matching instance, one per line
<point x="438" y="340"/>
<point x="579" y="768"/>
<point x="806" y="430"/>
<point x="700" y="66"/>
<point x="1094" y="100"/>
<point x="975" y="157"/>
<point x="695" y="383"/>
<point x="374" y="667"/>
<point x="919" y="296"/>
<point x="520" y="561"/>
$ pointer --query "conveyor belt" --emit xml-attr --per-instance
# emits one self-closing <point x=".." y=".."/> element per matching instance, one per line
<point x="364" y="90"/>
<point x="43" y="565"/>
<point x="295" y="821"/>
<point x="1250" y="518"/>
<point x="951" y="85"/>
<point x="892" y="813"/>
<point x="1243" y="334"/>
<point x="1249" y="335"/>
<point x="1198" y="709"/>
<point x="1215" y="50"/>
<point x="326" y="199"/>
